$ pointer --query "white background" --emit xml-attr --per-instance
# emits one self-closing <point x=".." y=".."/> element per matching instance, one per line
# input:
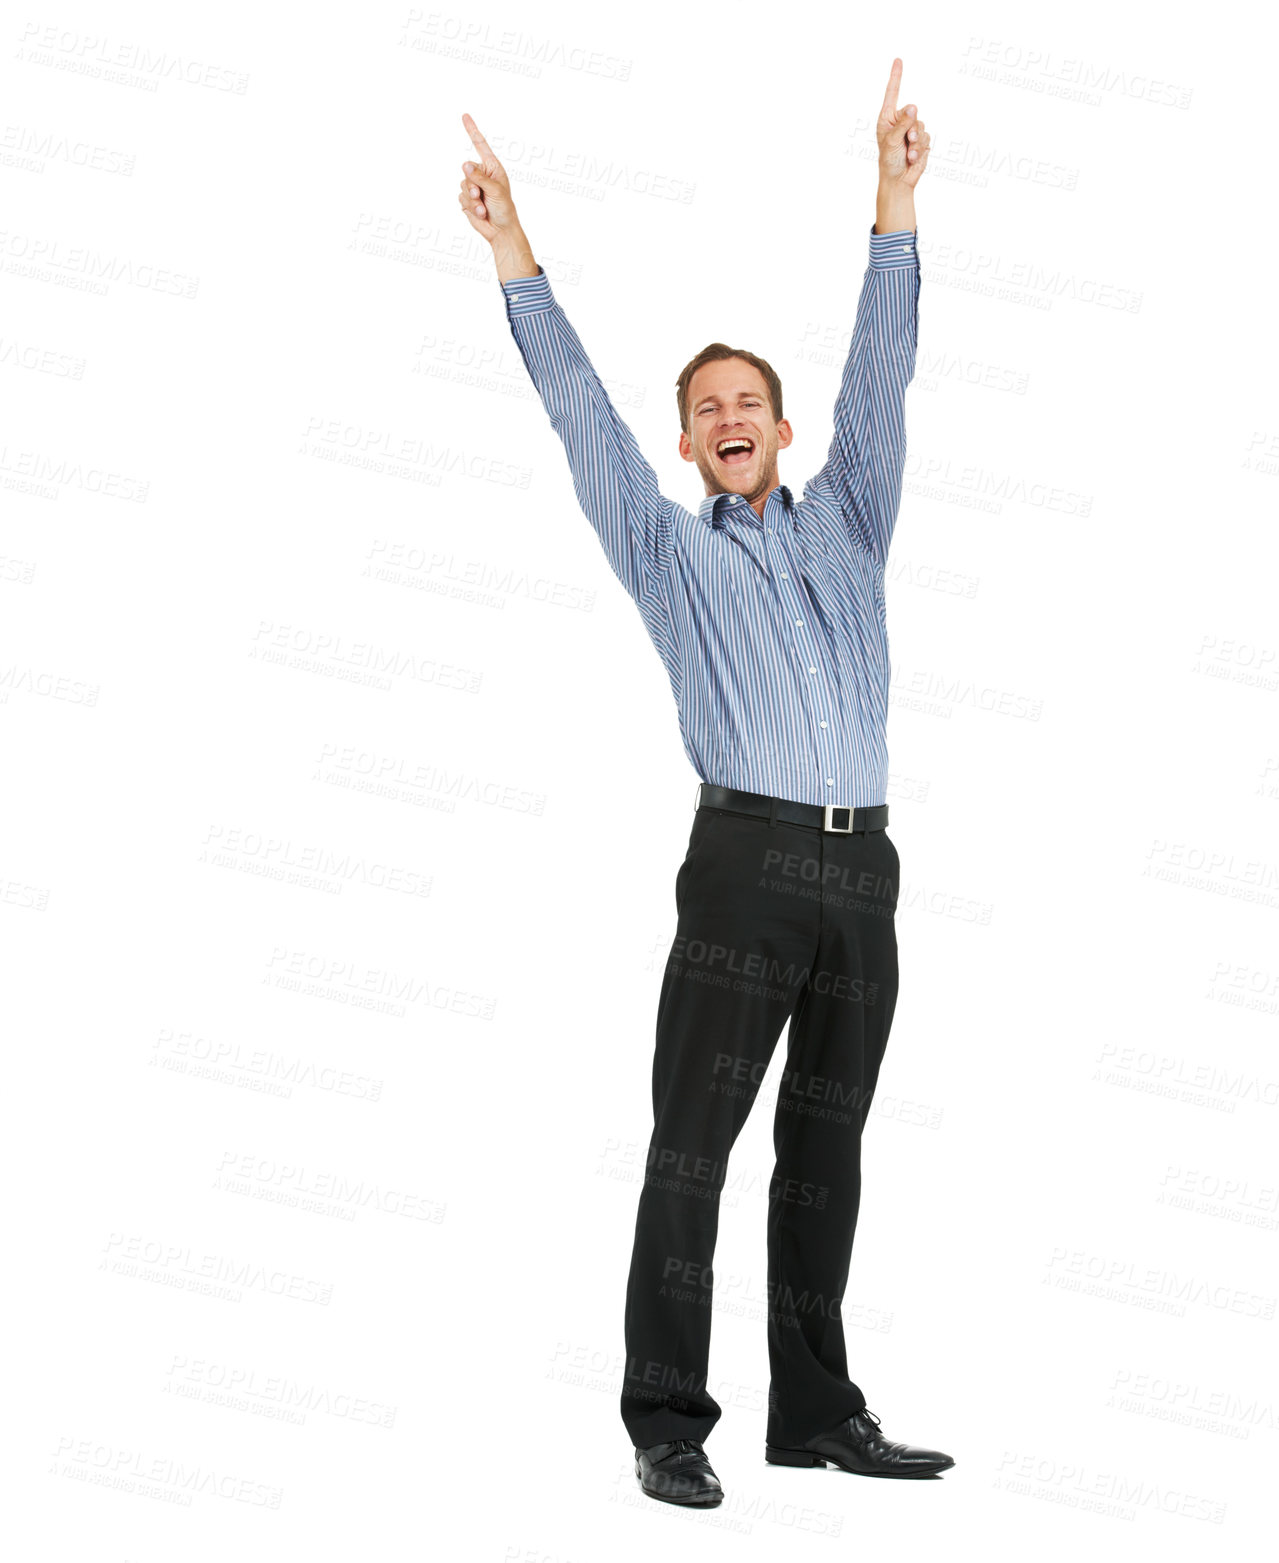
<point x="335" y="896"/>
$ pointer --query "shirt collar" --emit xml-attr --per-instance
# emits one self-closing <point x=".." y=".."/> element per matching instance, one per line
<point x="715" y="508"/>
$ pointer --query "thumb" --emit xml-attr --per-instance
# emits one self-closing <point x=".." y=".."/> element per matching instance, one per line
<point x="482" y="174"/>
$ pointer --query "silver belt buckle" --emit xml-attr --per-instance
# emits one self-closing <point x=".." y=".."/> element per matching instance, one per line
<point x="828" y="822"/>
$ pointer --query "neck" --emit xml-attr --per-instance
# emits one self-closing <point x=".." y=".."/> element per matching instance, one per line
<point x="757" y="505"/>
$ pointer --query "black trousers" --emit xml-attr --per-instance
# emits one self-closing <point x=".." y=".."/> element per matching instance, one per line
<point x="776" y="921"/>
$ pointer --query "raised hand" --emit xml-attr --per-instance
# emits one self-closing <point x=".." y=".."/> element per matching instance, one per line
<point x="485" y="194"/>
<point x="903" y="141"/>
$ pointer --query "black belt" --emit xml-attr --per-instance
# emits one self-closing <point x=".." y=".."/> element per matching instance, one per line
<point x="817" y="816"/>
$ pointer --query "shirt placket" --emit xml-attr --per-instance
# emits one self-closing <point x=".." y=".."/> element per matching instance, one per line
<point x="813" y="669"/>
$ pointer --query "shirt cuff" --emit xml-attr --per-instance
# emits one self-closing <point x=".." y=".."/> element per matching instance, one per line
<point x="892" y="251"/>
<point x="527" y="295"/>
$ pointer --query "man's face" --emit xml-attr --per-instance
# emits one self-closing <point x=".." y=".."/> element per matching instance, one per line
<point x="728" y="404"/>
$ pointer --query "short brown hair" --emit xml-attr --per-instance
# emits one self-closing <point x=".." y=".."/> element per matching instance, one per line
<point x="718" y="350"/>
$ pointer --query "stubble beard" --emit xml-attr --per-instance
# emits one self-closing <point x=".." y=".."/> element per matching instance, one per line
<point x="713" y="476"/>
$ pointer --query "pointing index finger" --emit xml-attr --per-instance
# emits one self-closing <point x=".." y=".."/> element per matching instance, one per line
<point x="890" y="92"/>
<point x="473" y="130"/>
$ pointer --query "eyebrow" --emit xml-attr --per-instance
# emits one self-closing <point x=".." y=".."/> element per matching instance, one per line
<point x="702" y="400"/>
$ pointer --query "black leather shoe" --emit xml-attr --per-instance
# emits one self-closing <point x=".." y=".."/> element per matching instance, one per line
<point x="857" y="1445"/>
<point x="678" y="1472"/>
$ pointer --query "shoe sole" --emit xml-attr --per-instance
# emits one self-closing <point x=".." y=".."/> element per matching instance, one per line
<point x="806" y="1459"/>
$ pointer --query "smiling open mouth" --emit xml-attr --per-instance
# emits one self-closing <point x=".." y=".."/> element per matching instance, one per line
<point x="735" y="452"/>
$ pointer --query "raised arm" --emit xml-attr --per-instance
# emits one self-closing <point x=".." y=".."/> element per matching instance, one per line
<point x="867" y="454"/>
<point x="616" y="487"/>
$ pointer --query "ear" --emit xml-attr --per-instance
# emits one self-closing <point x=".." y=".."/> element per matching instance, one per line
<point x="785" y="434"/>
<point x="686" y="447"/>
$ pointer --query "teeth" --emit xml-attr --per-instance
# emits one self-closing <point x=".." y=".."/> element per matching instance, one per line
<point x="728" y="445"/>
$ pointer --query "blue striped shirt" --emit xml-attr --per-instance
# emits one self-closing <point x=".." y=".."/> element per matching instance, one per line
<point x="772" y="631"/>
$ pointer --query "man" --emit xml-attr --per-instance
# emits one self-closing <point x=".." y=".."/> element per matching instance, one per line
<point x="769" y="617"/>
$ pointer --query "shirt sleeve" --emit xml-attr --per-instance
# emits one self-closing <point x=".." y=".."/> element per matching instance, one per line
<point x="867" y="455"/>
<point x="616" y="487"/>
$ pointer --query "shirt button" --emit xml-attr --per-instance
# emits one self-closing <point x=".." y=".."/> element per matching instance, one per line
<point x="515" y="298"/>
<point x="823" y="724"/>
<point x="812" y="670"/>
<point x="786" y="577"/>
<point x="829" y="782"/>
<point x="799" y="624"/>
